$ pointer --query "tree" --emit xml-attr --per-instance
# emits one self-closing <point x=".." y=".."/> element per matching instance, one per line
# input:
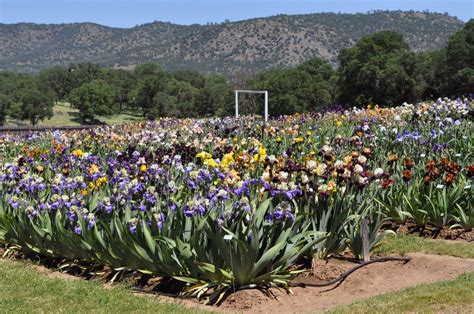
<point x="55" y="79"/>
<point x="148" y="69"/>
<point x="460" y="61"/>
<point x="161" y="101"/>
<point x="183" y="99"/>
<point x="78" y="74"/>
<point x="7" y="82"/>
<point x="151" y="79"/>
<point x="213" y="96"/>
<point x="123" y="82"/>
<point x="194" y="78"/>
<point x="304" y="88"/>
<point x="5" y="105"/>
<point x="35" y="106"/>
<point x="401" y="80"/>
<point x="372" y="71"/>
<point x="94" y="98"/>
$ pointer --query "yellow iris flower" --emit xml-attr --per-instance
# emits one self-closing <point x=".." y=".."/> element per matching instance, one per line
<point x="227" y="159"/>
<point x="210" y="162"/>
<point x="93" y="169"/>
<point x="78" y="152"/>
<point x="203" y="155"/>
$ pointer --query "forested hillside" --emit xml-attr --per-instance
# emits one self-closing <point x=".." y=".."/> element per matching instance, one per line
<point x="236" y="48"/>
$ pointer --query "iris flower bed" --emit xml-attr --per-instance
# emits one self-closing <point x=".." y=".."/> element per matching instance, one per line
<point x="229" y="203"/>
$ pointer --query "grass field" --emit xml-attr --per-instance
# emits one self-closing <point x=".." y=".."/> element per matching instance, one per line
<point x="65" y="115"/>
<point x="402" y="244"/>
<point x="453" y="296"/>
<point x="24" y="289"/>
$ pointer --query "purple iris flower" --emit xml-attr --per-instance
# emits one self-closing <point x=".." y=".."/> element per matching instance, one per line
<point x="161" y="220"/>
<point x="191" y="184"/>
<point x="55" y="205"/>
<point x="172" y="206"/>
<point x="268" y="217"/>
<point x="278" y="215"/>
<point x="200" y="209"/>
<point x="78" y="230"/>
<point x="33" y="214"/>
<point x="14" y="204"/>
<point x="188" y="212"/>
<point x="107" y="208"/>
<point x="91" y="224"/>
<point x="138" y="188"/>
<point x="71" y="216"/>
<point x="220" y="175"/>
<point x="151" y="199"/>
<point x="293" y="193"/>
<point x="440" y="147"/>
<point x="290" y="216"/>
<point x="274" y="192"/>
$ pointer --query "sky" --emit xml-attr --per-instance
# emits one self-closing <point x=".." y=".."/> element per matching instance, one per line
<point x="129" y="13"/>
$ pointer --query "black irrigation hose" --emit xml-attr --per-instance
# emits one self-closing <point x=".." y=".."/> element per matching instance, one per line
<point x="297" y="284"/>
<point x="164" y="294"/>
<point x="350" y="271"/>
<point x="188" y="296"/>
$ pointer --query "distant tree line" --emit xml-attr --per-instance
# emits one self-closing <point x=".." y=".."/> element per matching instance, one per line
<point x="148" y="90"/>
<point x="378" y="69"/>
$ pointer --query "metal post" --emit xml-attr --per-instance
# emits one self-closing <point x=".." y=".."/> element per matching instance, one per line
<point x="236" y="103"/>
<point x="251" y="92"/>
<point x="266" y="106"/>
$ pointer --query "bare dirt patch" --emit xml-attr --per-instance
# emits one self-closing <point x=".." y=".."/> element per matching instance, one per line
<point x="372" y="280"/>
<point x="52" y="273"/>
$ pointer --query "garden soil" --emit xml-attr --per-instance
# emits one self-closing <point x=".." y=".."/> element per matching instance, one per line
<point x="369" y="281"/>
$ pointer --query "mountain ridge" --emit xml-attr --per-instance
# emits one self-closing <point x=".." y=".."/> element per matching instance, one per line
<point x="230" y="48"/>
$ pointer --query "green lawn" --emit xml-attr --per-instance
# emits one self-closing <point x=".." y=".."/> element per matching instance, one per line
<point x="25" y="290"/>
<point x="402" y="244"/>
<point x="65" y="115"/>
<point x="454" y="296"/>
<point x="446" y="296"/>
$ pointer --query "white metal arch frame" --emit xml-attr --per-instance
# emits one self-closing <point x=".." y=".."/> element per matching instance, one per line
<point x="251" y="92"/>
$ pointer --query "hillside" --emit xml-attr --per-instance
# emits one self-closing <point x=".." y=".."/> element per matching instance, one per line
<point x="230" y="48"/>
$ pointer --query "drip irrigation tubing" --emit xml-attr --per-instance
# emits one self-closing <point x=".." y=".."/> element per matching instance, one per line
<point x="350" y="271"/>
<point x="296" y="284"/>
<point x="164" y="294"/>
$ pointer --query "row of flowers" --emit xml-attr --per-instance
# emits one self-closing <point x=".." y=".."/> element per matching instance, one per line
<point x="160" y="196"/>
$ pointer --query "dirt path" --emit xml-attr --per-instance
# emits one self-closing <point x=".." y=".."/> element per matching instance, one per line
<point x="373" y="280"/>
